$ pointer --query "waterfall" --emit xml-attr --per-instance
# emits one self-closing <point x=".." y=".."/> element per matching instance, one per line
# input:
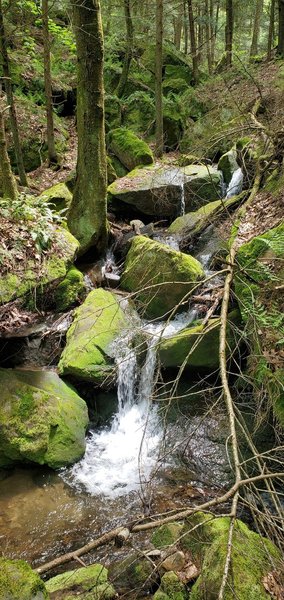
<point x="236" y="184"/>
<point x="182" y="200"/>
<point x="120" y="458"/>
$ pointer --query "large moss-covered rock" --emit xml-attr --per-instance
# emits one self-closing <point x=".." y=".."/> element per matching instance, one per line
<point x="70" y="290"/>
<point x="88" y="354"/>
<point x="197" y="346"/>
<point x="19" y="582"/>
<point x="157" y="190"/>
<point x="59" y="195"/>
<point x="87" y="583"/>
<point x="159" y="275"/>
<point x="258" y="289"/>
<point x="129" y="149"/>
<point x="192" y="223"/>
<point x="42" y="419"/>
<point x="34" y="275"/>
<point x="253" y="557"/>
<point x="166" y="535"/>
<point x="228" y="164"/>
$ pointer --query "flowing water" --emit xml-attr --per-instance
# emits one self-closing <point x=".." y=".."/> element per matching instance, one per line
<point x="236" y="184"/>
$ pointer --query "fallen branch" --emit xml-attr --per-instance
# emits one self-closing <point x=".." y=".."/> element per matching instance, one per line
<point x="112" y="535"/>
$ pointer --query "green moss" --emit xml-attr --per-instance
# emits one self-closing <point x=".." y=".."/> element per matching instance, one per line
<point x="19" y="581"/>
<point x="69" y="291"/>
<point x="97" y="323"/>
<point x="228" y="164"/>
<point x="166" y="535"/>
<point x="169" y="275"/>
<point x="86" y="579"/>
<point x="132" y="573"/>
<point x="172" y="587"/>
<point x="252" y="558"/>
<point x="59" y="195"/>
<point x="197" y="346"/>
<point x="192" y="222"/>
<point x="42" y="419"/>
<point x="129" y="149"/>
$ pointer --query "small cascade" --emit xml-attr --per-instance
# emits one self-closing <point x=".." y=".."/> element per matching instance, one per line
<point x="236" y="184"/>
<point x="182" y="200"/>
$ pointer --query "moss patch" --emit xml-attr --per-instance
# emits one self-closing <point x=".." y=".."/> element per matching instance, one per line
<point x="69" y="291"/>
<point x="19" y="581"/>
<point x="168" y="274"/>
<point x="93" y="579"/>
<point x="42" y="419"/>
<point x="59" y="195"/>
<point x="97" y="323"/>
<point x="129" y="149"/>
<point x="166" y="535"/>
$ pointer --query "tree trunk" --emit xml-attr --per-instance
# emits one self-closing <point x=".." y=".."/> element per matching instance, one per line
<point x="192" y="41"/>
<point x="280" y="48"/>
<point x="229" y="33"/>
<point x="8" y="183"/>
<point x="158" y="78"/>
<point x="208" y="33"/>
<point x="52" y="156"/>
<point x="271" y="30"/>
<point x="129" y="49"/>
<point x="256" y="28"/>
<point x="200" y="32"/>
<point x="178" y="29"/>
<point x="185" y="27"/>
<point x="87" y="214"/>
<point x="10" y="101"/>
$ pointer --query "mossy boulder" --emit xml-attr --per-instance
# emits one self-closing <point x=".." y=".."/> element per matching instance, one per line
<point x="59" y="195"/>
<point x="19" y="582"/>
<point x="160" y="276"/>
<point x="88" y="354"/>
<point x="34" y="276"/>
<point x="132" y="573"/>
<point x="157" y="190"/>
<point x="89" y="583"/>
<point x="191" y="223"/>
<point x="197" y="346"/>
<point x="129" y="149"/>
<point x="258" y="289"/>
<point x="42" y="419"/>
<point x="253" y="557"/>
<point x="70" y="290"/>
<point x="166" y="535"/>
<point x="171" y="587"/>
<point x="228" y="165"/>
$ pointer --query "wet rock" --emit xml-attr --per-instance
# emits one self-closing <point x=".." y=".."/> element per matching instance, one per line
<point x="19" y="581"/>
<point x="228" y="164"/>
<point x="88" y="354"/>
<point x="87" y="582"/>
<point x="197" y="346"/>
<point x="174" y="562"/>
<point x="42" y="419"/>
<point x="157" y="190"/>
<point x="169" y="275"/>
<point x="133" y="573"/>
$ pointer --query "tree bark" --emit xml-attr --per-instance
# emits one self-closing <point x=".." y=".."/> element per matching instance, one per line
<point x="129" y="49"/>
<point x="271" y="30"/>
<point x="280" y="48"/>
<point x="10" y="101"/>
<point x="256" y="28"/>
<point x="87" y="214"/>
<point x="8" y="183"/>
<point x="229" y="33"/>
<point x="177" y="22"/>
<point x="158" y="78"/>
<point x="52" y="155"/>
<point x="208" y="33"/>
<point x="185" y="27"/>
<point x="192" y="41"/>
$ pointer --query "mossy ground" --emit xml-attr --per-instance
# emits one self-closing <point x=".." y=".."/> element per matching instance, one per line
<point x="19" y="582"/>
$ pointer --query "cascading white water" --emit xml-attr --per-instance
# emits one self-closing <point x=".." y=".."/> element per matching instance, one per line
<point x="120" y="458"/>
<point x="182" y="200"/>
<point x="236" y="184"/>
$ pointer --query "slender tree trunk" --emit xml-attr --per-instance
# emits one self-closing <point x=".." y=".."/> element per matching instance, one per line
<point x="10" y="101"/>
<point x="208" y="33"/>
<point x="200" y="32"/>
<point x="129" y="49"/>
<point x="185" y="27"/>
<point x="158" y="78"/>
<point x="271" y="30"/>
<point x="215" y="23"/>
<point x="8" y="183"/>
<point x="87" y="214"/>
<point x="256" y="28"/>
<point x="229" y="33"/>
<point x="178" y="29"/>
<point x="192" y="41"/>
<point x="280" y="48"/>
<point x="52" y="155"/>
